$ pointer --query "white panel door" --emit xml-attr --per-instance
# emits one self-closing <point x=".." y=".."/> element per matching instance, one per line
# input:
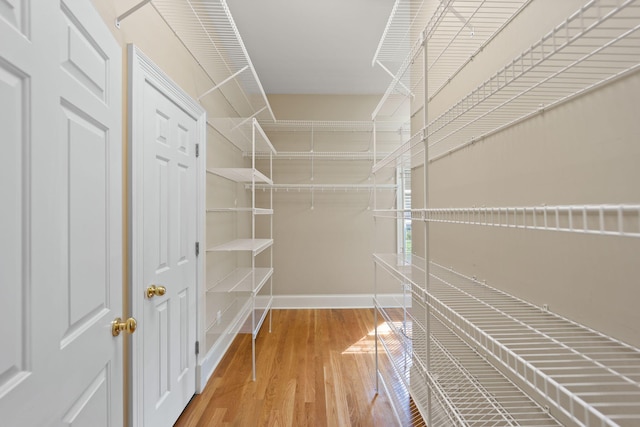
<point x="60" y="216"/>
<point x="169" y="213"/>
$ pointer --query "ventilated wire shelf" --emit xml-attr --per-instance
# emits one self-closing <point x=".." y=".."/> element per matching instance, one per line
<point x="332" y="126"/>
<point x="598" y="43"/>
<point x="459" y="31"/>
<point x="594" y="46"/>
<point x="604" y="220"/>
<point x="406" y="22"/>
<point x="245" y="133"/>
<point x="465" y="389"/>
<point x="395" y="363"/>
<point x="323" y="155"/>
<point x="455" y="32"/>
<point x="208" y="31"/>
<point x="583" y="375"/>
<point x="334" y="188"/>
<point x="322" y="133"/>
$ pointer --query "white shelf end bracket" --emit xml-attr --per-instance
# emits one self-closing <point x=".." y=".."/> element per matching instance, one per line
<point x="231" y="77"/>
<point x="129" y="12"/>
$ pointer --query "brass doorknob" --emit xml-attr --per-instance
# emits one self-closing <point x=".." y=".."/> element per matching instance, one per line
<point x="154" y="290"/>
<point x="128" y="326"/>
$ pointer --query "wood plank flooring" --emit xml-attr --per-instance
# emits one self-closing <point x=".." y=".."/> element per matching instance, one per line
<point x="316" y="368"/>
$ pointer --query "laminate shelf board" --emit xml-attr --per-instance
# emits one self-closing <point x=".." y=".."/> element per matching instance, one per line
<point x="249" y="280"/>
<point x="253" y="245"/>
<point x="244" y="175"/>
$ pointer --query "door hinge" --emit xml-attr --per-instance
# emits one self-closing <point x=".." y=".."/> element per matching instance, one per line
<point x="197" y="150"/>
<point x="197" y="248"/>
<point x="197" y="347"/>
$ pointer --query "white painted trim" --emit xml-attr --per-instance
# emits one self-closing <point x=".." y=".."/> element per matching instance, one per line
<point x="332" y="301"/>
<point x="142" y="70"/>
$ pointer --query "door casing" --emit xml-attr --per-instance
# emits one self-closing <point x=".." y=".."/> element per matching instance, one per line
<point x="142" y="70"/>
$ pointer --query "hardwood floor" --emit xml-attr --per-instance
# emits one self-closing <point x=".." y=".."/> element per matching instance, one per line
<point x="316" y="368"/>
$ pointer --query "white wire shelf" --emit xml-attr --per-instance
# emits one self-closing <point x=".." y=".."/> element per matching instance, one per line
<point x="249" y="280"/>
<point x="245" y="133"/>
<point x="243" y="175"/>
<point x="250" y="245"/>
<point x="583" y="375"/>
<point x="456" y="31"/>
<point x="473" y="391"/>
<point x="459" y="30"/>
<point x="322" y="155"/>
<point x="333" y="126"/>
<point x="407" y="20"/>
<point x="208" y="31"/>
<point x="604" y="220"/>
<point x="468" y="390"/>
<point x="255" y="211"/>
<point x="586" y="376"/>
<point x="326" y="187"/>
<point x="595" y="45"/>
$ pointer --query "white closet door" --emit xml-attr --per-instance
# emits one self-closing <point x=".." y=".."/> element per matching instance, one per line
<point x="60" y="216"/>
<point x="166" y="126"/>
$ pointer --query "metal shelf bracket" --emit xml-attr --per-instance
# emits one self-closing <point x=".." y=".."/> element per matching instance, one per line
<point x="129" y="12"/>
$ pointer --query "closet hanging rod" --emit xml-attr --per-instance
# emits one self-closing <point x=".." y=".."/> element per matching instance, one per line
<point x="131" y="11"/>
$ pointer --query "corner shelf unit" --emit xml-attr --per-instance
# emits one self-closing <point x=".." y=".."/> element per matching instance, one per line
<point x="469" y="354"/>
<point x="247" y="312"/>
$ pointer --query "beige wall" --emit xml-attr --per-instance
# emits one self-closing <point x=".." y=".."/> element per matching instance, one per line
<point x="326" y="250"/>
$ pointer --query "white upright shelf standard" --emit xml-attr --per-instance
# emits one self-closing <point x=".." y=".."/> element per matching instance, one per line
<point x="247" y="310"/>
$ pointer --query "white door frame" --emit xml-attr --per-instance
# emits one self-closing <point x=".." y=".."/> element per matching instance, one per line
<point x="141" y="71"/>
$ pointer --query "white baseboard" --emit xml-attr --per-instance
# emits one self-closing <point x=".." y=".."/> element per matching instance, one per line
<point x="332" y="301"/>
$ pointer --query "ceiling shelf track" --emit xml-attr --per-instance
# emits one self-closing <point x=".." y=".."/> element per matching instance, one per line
<point x="208" y="31"/>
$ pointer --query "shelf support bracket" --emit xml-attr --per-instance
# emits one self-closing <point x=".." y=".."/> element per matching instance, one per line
<point x="462" y="19"/>
<point x="131" y="11"/>
<point x="231" y="77"/>
<point x="407" y="90"/>
<point x="249" y="118"/>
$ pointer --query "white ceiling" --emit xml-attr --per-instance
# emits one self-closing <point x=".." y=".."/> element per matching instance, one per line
<point x="314" y="46"/>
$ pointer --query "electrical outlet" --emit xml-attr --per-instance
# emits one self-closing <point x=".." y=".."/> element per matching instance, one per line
<point x="545" y="307"/>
